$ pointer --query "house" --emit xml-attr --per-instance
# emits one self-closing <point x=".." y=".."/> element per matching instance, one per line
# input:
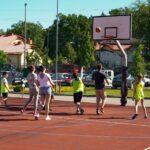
<point x="108" y="53"/>
<point x="13" y="45"/>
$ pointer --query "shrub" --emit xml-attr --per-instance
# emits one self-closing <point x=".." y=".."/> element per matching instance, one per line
<point x="18" y="88"/>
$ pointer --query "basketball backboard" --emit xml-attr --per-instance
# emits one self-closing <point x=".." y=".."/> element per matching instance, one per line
<point x="112" y="27"/>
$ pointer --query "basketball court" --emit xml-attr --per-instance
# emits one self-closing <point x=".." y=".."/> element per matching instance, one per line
<point x="112" y="130"/>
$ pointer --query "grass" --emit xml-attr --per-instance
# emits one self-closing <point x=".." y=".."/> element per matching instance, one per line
<point x="90" y="91"/>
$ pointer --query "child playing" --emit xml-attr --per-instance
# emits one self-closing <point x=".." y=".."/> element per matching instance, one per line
<point x="4" y="88"/>
<point x="78" y="88"/>
<point x="33" y="90"/>
<point x="138" y="96"/>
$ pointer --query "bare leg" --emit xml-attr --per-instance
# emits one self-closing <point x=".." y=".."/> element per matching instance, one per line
<point x="42" y="100"/>
<point x="47" y="97"/>
<point x="144" y="108"/>
<point x="36" y="101"/>
<point x="5" y="102"/>
<point x="136" y="110"/>
<point x="136" y="107"/>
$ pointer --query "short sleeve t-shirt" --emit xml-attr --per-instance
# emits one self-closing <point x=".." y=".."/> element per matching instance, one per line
<point x="3" y="87"/>
<point x="32" y="77"/>
<point x="99" y="78"/>
<point x="45" y="81"/>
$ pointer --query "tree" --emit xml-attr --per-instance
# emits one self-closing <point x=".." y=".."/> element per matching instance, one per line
<point x="75" y="40"/>
<point x="34" y="32"/>
<point x="138" y="64"/>
<point x="3" y="57"/>
<point x="34" y="59"/>
<point x="140" y="11"/>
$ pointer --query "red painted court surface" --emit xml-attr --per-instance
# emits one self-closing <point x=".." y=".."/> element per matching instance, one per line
<point x="114" y="130"/>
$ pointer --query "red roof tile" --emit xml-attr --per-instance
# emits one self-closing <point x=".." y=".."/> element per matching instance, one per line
<point x="12" y="44"/>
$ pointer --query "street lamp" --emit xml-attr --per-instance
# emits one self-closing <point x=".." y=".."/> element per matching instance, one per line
<point x="25" y="36"/>
<point x="56" y="67"/>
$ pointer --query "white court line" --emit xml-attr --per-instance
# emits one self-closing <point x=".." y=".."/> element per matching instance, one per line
<point x="148" y="148"/>
<point x="111" y="123"/>
<point x="77" y="135"/>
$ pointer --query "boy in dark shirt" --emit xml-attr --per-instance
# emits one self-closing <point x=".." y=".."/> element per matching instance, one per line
<point x="99" y="79"/>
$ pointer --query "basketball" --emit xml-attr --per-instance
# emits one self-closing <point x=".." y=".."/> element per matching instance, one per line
<point x="98" y="29"/>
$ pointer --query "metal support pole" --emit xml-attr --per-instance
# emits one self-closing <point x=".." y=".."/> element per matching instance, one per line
<point x="0" y="78"/>
<point x="25" y="36"/>
<point x="124" y="89"/>
<point x="47" y="49"/>
<point x="56" y="67"/>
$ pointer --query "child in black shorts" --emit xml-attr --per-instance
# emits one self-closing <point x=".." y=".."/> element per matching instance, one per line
<point x="4" y="88"/>
<point x="78" y="88"/>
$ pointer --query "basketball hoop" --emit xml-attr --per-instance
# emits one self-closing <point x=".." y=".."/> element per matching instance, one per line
<point x="108" y="37"/>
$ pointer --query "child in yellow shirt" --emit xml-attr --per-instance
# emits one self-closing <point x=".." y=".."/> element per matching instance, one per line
<point x="78" y="88"/>
<point x="4" y="88"/>
<point x="138" y="96"/>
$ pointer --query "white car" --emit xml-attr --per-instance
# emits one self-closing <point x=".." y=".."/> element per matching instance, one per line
<point x="88" y="81"/>
<point x="146" y="80"/>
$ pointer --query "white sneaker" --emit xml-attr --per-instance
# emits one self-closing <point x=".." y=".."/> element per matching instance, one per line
<point x="48" y="118"/>
<point x="37" y="116"/>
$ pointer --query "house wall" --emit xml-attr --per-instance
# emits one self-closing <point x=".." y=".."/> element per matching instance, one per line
<point x="16" y="60"/>
<point x="113" y="59"/>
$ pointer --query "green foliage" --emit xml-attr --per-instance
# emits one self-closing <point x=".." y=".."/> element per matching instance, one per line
<point x="138" y="65"/>
<point x="3" y="57"/>
<point x="18" y="88"/>
<point x="34" y="32"/>
<point x="34" y="58"/>
<point x="75" y="42"/>
<point x="140" y="11"/>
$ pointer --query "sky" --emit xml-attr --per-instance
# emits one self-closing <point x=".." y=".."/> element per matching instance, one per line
<point x="44" y="11"/>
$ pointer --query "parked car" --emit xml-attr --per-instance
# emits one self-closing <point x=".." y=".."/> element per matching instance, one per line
<point x="88" y="81"/>
<point x="146" y="80"/>
<point x="62" y="78"/>
<point x="117" y="81"/>
<point x="19" y="81"/>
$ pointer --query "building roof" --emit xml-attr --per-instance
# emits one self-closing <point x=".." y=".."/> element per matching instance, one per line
<point x="13" y="44"/>
<point x="111" y="46"/>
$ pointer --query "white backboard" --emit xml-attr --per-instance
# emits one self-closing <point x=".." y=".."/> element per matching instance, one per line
<point x="116" y="27"/>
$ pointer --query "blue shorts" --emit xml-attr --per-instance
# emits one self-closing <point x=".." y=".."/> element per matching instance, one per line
<point x="45" y="91"/>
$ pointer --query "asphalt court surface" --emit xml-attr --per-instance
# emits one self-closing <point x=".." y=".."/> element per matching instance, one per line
<point x="112" y="130"/>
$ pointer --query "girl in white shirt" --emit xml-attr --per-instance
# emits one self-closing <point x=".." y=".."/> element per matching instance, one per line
<point x="45" y="84"/>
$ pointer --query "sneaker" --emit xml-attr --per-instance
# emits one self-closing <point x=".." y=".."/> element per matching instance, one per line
<point x="97" y="112"/>
<point x="77" y="112"/>
<point x="22" y="111"/>
<point x="145" y="116"/>
<point x="102" y="110"/>
<point x="50" y="109"/>
<point x="82" y="111"/>
<point x="134" y="116"/>
<point x="47" y="118"/>
<point x="37" y="116"/>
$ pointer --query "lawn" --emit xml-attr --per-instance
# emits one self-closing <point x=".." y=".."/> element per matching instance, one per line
<point x="89" y="91"/>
